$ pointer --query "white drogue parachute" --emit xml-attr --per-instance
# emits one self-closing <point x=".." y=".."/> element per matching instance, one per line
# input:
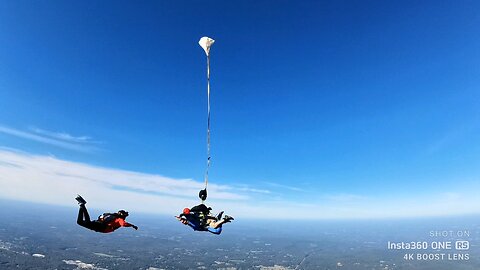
<point x="206" y="43"/>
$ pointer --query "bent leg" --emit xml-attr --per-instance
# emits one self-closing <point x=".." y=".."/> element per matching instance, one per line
<point x="85" y="213"/>
<point x="215" y="230"/>
<point x="83" y="218"/>
<point x="217" y="224"/>
<point x="81" y="215"/>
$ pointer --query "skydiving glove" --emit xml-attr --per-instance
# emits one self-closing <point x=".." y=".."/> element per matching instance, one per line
<point x="135" y="227"/>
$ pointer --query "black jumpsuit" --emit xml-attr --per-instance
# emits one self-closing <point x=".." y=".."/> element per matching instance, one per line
<point x="84" y="221"/>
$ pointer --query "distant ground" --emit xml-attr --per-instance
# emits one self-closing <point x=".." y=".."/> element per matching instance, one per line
<point x="46" y="237"/>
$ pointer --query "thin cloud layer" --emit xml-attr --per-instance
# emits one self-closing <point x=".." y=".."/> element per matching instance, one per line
<point x="291" y="188"/>
<point x="46" y="179"/>
<point x="63" y="136"/>
<point x="16" y="167"/>
<point x="62" y="140"/>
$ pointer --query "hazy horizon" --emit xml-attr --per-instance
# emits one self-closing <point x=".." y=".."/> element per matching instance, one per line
<point x="47" y="179"/>
<point x="34" y="236"/>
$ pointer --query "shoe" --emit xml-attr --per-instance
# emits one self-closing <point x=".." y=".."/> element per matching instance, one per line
<point x="228" y="218"/>
<point x="219" y="216"/>
<point x="80" y="200"/>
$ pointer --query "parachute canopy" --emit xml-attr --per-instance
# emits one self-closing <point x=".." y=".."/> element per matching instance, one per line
<point x="206" y="43"/>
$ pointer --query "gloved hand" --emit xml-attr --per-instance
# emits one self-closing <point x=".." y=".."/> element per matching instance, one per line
<point x="135" y="227"/>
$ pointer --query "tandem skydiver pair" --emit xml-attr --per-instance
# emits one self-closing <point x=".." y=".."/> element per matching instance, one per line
<point x="200" y="219"/>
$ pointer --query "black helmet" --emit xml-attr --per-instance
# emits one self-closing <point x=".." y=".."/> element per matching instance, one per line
<point x="123" y="213"/>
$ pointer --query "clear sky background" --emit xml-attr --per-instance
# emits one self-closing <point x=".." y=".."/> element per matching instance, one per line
<point x="320" y="109"/>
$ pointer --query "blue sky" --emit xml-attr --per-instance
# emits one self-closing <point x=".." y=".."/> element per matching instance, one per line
<point x="312" y="101"/>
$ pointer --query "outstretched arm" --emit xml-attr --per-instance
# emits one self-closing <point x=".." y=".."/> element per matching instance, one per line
<point x="133" y="226"/>
<point x="130" y="225"/>
<point x="123" y="223"/>
<point x="184" y="221"/>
